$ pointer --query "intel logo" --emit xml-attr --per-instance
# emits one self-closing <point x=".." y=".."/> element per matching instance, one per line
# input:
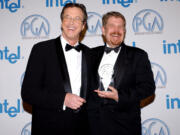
<point x="171" y="48"/>
<point x="169" y="0"/>
<point x="7" y="55"/>
<point x="147" y="21"/>
<point x="123" y="3"/>
<point x="35" y="26"/>
<point x="58" y="3"/>
<point x="154" y="127"/>
<point x="9" y="109"/>
<point x="160" y="76"/>
<point x="11" y="6"/>
<point x="94" y="23"/>
<point x="27" y="129"/>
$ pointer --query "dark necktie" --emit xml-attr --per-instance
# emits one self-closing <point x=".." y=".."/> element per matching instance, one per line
<point x="108" y="49"/>
<point x="77" y="48"/>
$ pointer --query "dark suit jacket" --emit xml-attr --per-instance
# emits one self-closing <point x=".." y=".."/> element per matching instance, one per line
<point x="133" y="78"/>
<point x="45" y="81"/>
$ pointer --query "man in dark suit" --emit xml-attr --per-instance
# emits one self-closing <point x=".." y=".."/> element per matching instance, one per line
<point x="55" y="81"/>
<point x="121" y="78"/>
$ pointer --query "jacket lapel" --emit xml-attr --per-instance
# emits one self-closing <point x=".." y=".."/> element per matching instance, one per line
<point x="100" y="53"/>
<point x="63" y="66"/>
<point x="84" y="75"/>
<point x="120" y="66"/>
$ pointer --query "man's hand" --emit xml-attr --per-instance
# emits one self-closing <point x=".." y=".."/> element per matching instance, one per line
<point x="113" y="94"/>
<point x="73" y="101"/>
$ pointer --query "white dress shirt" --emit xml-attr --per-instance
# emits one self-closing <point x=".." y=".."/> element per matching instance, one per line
<point x="106" y="67"/>
<point x="73" y="60"/>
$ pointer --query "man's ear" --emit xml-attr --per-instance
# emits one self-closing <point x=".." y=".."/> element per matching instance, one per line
<point x="84" y="26"/>
<point x="103" y="30"/>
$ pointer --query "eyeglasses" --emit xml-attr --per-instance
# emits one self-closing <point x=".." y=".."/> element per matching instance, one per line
<point x="77" y="19"/>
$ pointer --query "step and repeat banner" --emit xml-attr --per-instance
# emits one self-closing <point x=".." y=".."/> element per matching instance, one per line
<point x="153" y="25"/>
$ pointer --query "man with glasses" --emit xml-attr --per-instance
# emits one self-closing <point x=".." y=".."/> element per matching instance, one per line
<point x="55" y="82"/>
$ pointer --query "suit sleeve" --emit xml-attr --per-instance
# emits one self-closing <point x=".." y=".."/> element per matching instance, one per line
<point x="143" y="87"/>
<point x="33" y="89"/>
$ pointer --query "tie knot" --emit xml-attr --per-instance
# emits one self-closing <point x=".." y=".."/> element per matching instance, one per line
<point x="108" y="49"/>
<point x="77" y="48"/>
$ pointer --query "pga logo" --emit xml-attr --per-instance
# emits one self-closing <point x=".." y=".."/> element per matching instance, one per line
<point x="94" y="23"/>
<point x="147" y="21"/>
<point x="155" y="126"/>
<point x="26" y="129"/>
<point x="160" y="76"/>
<point x="35" y="26"/>
<point x="22" y="78"/>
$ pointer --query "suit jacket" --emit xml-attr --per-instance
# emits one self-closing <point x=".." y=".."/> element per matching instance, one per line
<point x="46" y="79"/>
<point x="133" y="78"/>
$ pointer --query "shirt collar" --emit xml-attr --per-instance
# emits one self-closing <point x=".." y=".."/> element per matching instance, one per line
<point x="110" y="47"/>
<point x="64" y="42"/>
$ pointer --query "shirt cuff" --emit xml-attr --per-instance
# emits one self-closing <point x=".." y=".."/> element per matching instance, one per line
<point x="64" y="107"/>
